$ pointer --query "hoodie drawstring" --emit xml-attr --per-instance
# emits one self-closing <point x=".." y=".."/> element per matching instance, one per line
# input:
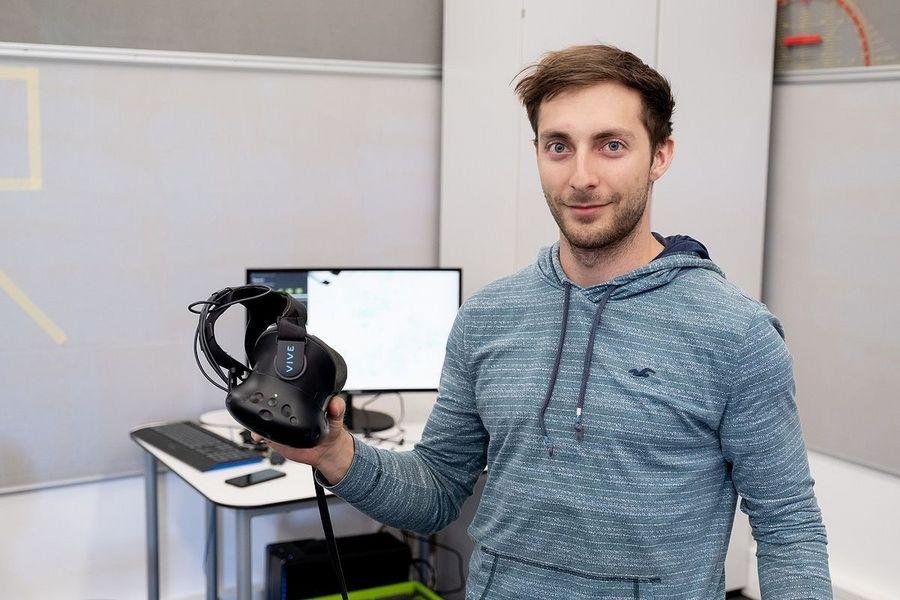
<point x="588" y="355"/>
<point x="559" y="349"/>
<point x="579" y="426"/>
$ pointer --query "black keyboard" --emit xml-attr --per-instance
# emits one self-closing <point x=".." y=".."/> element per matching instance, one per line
<point x="198" y="447"/>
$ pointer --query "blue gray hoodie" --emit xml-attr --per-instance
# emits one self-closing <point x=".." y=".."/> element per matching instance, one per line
<point x="618" y="424"/>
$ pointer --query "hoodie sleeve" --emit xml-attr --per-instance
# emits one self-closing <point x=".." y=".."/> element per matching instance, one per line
<point x="762" y="440"/>
<point x="423" y="489"/>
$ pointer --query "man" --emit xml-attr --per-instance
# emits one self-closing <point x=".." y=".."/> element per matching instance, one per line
<point x="619" y="390"/>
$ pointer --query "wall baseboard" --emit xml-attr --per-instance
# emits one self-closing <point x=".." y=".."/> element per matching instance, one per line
<point x="853" y="589"/>
<point x="843" y="594"/>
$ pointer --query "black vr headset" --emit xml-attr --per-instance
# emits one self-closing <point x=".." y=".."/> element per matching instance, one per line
<point x="283" y="393"/>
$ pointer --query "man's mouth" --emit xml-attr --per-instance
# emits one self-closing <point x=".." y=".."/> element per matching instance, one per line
<point x="587" y="209"/>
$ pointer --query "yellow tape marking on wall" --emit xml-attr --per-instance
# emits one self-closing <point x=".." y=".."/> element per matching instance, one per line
<point x="35" y="179"/>
<point x="18" y="296"/>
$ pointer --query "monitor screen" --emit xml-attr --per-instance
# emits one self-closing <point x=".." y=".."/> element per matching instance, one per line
<point x="390" y="325"/>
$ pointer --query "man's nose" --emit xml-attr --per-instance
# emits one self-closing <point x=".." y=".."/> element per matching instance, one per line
<point x="584" y="177"/>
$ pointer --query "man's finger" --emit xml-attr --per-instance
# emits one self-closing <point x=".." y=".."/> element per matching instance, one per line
<point x="336" y="407"/>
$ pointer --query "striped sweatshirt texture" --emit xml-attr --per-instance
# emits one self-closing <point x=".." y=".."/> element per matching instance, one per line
<point x="686" y="400"/>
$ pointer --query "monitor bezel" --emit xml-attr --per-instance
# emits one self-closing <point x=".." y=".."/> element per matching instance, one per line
<point x="333" y="268"/>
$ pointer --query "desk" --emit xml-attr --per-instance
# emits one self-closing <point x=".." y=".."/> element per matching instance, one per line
<point x="278" y="495"/>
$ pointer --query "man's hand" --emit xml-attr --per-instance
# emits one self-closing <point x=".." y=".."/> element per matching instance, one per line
<point x="331" y="456"/>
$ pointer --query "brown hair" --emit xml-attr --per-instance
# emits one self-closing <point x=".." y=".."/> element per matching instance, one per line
<point x="580" y="66"/>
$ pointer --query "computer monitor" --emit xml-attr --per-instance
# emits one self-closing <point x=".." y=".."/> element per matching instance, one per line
<point x="389" y="324"/>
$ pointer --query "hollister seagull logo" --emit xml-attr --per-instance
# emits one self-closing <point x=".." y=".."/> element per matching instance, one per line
<point x="645" y="372"/>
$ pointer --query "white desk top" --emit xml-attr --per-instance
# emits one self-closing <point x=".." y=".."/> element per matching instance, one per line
<point x="295" y="487"/>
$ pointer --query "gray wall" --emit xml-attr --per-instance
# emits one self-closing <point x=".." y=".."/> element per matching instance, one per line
<point x="380" y="30"/>
<point x="831" y="260"/>
<point x="161" y="184"/>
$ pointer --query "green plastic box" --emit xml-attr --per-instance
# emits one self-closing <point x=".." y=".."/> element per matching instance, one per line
<point x="408" y="590"/>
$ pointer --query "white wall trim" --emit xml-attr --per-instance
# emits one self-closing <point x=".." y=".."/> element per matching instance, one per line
<point x="854" y="461"/>
<point x="61" y="483"/>
<point x="219" y="61"/>
<point x="879" y="73"/>
<point x="843" y="591"/>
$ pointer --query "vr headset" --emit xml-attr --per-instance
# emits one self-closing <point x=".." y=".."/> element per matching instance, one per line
<point x="283" y="391"/>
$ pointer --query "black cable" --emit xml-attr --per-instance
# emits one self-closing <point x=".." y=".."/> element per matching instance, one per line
<point x="200" y="340"/>
<point x="400" y="437"/>
<point x="429" y="581"/>
<point x="329" y="536"/>
<point x="459" y="562"/>
<point x="200" y="365"/>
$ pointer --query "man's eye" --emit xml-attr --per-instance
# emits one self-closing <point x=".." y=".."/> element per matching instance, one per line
<point x="557" y="147"/>
<point x="614" y="145"/>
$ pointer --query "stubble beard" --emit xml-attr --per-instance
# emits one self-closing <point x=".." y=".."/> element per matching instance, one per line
<point x="604" y="235"/>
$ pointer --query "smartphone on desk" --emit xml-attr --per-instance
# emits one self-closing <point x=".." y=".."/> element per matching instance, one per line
<point x="254" y="478"/>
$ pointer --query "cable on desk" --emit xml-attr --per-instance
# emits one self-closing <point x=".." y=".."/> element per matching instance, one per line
<point x="400" y="437"/>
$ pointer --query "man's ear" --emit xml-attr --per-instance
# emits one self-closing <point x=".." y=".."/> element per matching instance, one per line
<point x="662" y="158"/>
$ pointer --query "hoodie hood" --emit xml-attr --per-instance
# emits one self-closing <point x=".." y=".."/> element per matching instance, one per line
<point x="679" y="252"/>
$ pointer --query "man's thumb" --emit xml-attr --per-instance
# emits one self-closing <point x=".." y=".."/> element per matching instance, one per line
<point x="336" y="408"/>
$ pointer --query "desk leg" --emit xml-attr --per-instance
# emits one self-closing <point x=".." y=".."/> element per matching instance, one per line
<point x="152" y="520"/>
<point x="424" y="552"/>
<point x="212" y="552"/>
<point x="242" y="543"/>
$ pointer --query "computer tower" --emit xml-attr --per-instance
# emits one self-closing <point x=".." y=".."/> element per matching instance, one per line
<point x="302" y="568"/>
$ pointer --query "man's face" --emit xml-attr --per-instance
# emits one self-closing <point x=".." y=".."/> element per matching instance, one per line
<point x="594" y="160"/>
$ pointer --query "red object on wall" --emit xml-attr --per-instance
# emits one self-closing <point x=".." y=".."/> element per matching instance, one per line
<point x="802" y="40"/>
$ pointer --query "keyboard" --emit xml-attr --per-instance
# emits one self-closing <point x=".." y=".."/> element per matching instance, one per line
<point x="196" y="446"/>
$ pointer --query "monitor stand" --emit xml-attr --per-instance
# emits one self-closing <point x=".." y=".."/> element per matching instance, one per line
<point x="363" y="421"/>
